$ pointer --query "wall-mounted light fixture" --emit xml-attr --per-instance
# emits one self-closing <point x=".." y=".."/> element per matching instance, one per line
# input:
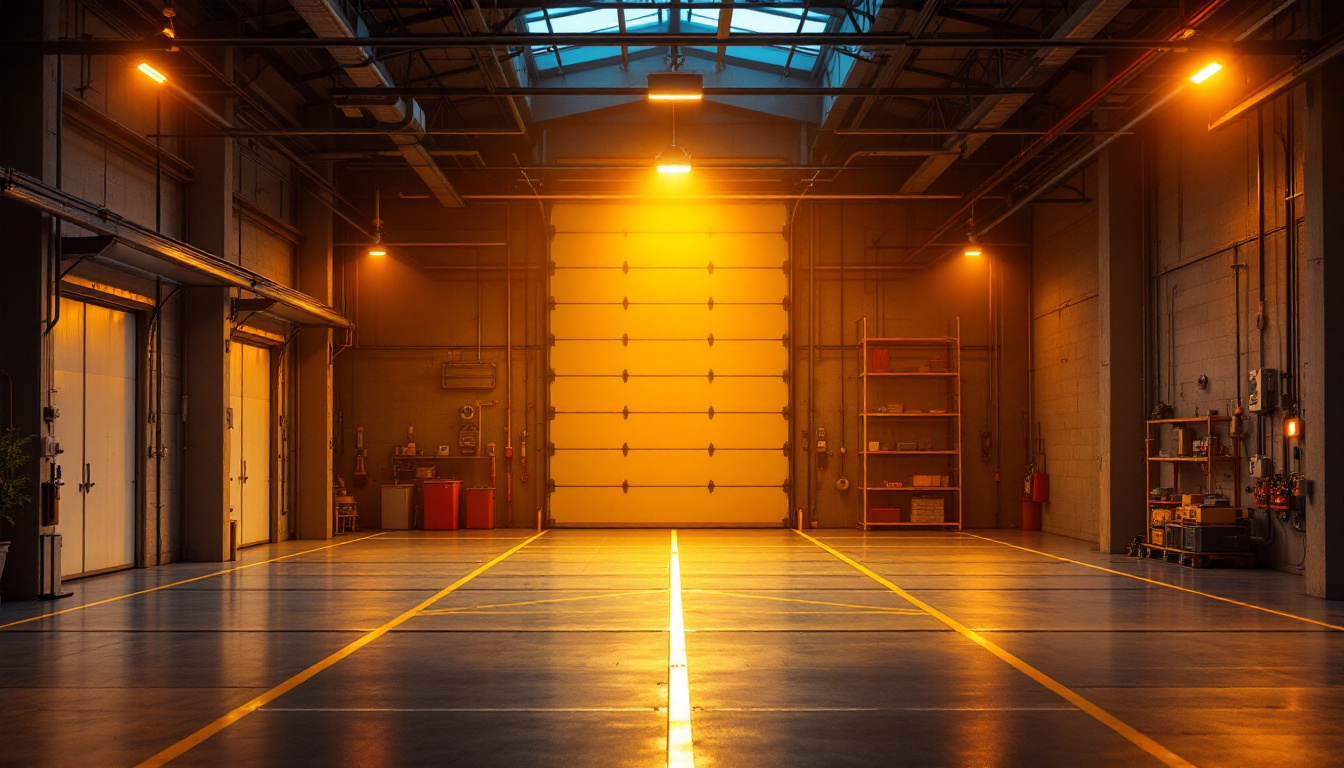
<point x="1292" y="427"/>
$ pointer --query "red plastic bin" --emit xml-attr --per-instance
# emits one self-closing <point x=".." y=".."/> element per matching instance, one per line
<point x="441" y="504"/>
<point x="480" y="508"/>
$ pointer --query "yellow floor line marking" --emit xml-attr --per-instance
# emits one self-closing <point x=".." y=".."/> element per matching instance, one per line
<point x="874" y="608"/>
<point x="1176" y="587"/>
<point x="680" y="748"/>
<point x="72" y="609"/>
<point x="1122" y="728"/>
<point x="474" y="608"/>
<point x="186" y="745"/>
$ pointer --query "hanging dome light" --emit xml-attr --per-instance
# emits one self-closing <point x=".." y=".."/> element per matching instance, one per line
<point x="673" y="160"/>
<point x="377" y="248"/>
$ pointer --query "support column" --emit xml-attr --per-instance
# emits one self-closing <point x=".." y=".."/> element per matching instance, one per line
<point x="314" y="506"/>
<point x="1322" y="339"/>
<point x="1120" y="396"/>
<point x="205" y="357"/>
<point x="28" y="103"/>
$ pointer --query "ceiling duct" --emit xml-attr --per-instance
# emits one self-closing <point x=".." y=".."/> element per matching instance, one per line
<point x="327" y="21"/>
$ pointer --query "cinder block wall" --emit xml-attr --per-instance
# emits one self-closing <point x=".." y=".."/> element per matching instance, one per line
<point x="1064" y="331"/>
<point x="1204" y="303"/>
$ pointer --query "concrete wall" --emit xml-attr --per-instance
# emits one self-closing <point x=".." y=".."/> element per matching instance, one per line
<point x="1204" y="316"/>
<point x="918" y="303"/>
<point x="410" y="320"/>
<point x="1065" y="360"/>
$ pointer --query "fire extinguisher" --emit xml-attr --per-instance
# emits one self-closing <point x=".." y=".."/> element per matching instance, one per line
<point x="1039" y="486"/>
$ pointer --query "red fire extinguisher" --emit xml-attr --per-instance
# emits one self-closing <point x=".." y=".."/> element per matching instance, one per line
<point x="1040" y="487"/>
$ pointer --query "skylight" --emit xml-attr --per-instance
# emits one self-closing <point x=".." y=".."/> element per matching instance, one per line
<point x="759" y="19"/>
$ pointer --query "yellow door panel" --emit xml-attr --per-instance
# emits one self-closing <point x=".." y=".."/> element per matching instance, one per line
<point x="611" y="320"/>
<point x="669" y="430"/>
<point x="661" y="285"/>
<point x="668" y="217"/>
<point x="670" y="506"/>
<point x="643" y="468"/>
<point x="693" y="250"/>
<point x="680" y="358"/>
<point x="725" y="394"/>
<point x="635" y="296"/>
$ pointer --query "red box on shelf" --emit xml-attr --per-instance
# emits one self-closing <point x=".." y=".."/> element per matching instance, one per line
<point x="881" y="360"/>
<point x="884" y="515"/>
<point x="480" y="508"/>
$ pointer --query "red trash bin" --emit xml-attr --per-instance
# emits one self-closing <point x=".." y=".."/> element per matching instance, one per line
<point x="480" y="508"/>
<point x="441" y="504"/>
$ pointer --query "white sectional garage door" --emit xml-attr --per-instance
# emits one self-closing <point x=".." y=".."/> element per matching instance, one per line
<point x="669" y="360"/>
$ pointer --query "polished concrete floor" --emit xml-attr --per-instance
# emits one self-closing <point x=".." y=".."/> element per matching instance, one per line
<point x="847" y="649"/>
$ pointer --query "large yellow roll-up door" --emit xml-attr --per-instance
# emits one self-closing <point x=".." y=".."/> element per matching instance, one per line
<point x="669" y="328"/>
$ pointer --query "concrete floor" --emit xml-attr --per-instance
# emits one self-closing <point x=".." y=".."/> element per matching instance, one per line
<point x="558" y="655"/>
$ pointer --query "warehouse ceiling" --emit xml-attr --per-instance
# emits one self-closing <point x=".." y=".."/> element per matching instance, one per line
<point x="980" y="102"/>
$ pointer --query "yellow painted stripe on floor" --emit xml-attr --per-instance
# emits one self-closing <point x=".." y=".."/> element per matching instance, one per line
<point x="1125" y="730"/>
<point x="680" y="748"/>
<point x="74" y="608"/>
<point x="186" y="745"/>
<point x="1176" y="587"/>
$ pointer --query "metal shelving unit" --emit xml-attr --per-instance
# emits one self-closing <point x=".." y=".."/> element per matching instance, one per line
<point x="1210" y="426"/>
<point x="939" y="421"/>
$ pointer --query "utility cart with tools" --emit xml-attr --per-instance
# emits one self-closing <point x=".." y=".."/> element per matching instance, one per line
<point x="1199" y="526"/>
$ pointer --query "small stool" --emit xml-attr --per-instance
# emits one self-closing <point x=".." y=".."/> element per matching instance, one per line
<point x="347" y="516"/>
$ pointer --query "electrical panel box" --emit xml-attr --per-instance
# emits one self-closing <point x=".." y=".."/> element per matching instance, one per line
<point x="1261" y="466"/>
<point x="1262" y="390"/>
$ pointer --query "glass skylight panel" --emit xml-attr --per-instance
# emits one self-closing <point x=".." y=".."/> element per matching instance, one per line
<point x="745" y="22"/>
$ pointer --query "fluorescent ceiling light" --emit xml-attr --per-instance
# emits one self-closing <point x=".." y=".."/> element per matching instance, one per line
<point x="676" y="86"/>
<point x="152" y="73"/>
<point x="1204" y="74"/>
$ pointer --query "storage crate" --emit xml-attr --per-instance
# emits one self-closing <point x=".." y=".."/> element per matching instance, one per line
<point x="927" y="509"/>
<point x="884" y="515"/>
<point x="1215" y="538"/>
<point x="1158" y="536"/>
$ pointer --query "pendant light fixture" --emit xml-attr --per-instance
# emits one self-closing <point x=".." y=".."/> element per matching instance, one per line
<point x="674" y="159"/>
<point x="377" y="248"/>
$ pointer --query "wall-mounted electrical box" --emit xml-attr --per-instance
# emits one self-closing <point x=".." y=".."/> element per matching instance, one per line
<point x="1261" y="466"/>
<point x="1262" y="390"/>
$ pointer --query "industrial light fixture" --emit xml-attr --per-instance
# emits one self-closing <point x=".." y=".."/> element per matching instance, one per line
<point x="377" y="248"/>
<point x="169" y="30"/>
<point x="673" y="160"/>
<point x="676" y="86"/>
<point x="152" y="73"/>
<point x="972" y="249"/>
<point x="1209" y="70"/>
<point x="1292" y="427"/>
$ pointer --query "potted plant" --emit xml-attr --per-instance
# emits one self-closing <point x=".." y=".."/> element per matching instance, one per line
<point x="13" y="483"/>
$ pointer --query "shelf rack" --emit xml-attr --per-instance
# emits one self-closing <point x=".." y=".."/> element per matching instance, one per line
<point x="1208" y="425"/>
<point x="879" y="387"/>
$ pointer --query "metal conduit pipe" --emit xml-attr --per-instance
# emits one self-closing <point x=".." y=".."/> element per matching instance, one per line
<point x="1133" y="70"/>
<point x="26" y="189"/>
<point x="106" y="47"/>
